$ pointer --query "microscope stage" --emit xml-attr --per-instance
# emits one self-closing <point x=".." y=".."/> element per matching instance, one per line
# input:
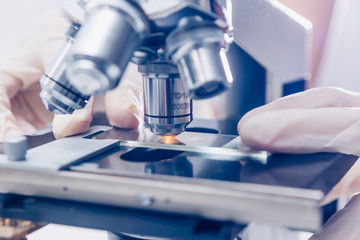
<point x="202" y="173"/>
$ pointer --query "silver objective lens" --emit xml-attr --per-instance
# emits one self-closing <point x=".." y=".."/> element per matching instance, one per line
<point x="198" y="49"/>
<point x="167" y="109"/>
<point x="57" y="93"/>
<point x="112" y="31"/>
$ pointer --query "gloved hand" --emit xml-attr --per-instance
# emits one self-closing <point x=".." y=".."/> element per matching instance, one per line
<point x="122" y="106"/>
<point x="317" y="120"/>
<point x="21" y="109"/>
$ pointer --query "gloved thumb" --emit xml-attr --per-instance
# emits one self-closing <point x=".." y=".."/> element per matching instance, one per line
<point x="70" y="124"/>
<point x="123" y="108"/>
<point x="124" y="104"/>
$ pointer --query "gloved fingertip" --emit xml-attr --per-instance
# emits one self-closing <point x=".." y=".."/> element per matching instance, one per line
<point x="121" y="108"/>
<point x="65" y="125"/>
<point x="251" y="114"/>
<point x="256" y="133"/>
<point x="239" y="125"/>
<point x="124" y="118"/>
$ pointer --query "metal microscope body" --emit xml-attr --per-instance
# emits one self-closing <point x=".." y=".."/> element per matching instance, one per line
<point x="179" y="47"/>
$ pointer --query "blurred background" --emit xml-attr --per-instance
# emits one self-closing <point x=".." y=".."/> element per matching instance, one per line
<point x="18" y="18"/>
<point x="336" y="42"/>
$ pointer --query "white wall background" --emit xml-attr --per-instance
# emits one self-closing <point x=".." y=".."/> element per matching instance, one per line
<point x="18" y="17"/>
<point x="340" y="64"/>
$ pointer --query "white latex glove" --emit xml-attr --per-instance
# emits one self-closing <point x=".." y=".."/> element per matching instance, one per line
<point x="122" y="107"/>
<point x="317" y="120"/>
<point x="21" y="109"/>
<point x="344" y="224"/>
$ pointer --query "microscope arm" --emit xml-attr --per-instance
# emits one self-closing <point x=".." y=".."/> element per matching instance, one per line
<point x="275" y="36"/>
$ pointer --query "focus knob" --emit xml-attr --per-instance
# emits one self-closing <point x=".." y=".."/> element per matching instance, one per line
<point x="15" y="148"/>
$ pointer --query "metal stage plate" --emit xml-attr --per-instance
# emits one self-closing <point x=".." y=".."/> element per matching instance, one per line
<point x="204" y="173"/>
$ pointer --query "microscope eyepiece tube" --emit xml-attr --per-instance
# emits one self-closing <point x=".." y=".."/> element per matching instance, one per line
<point x="198" y="50"/>
<point x="167" y="109"/>
<point x="111" y="32"/>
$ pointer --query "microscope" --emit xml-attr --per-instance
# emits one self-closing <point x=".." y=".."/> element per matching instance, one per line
<point x="179" y="47"/>
<point x="209" y="186"/>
